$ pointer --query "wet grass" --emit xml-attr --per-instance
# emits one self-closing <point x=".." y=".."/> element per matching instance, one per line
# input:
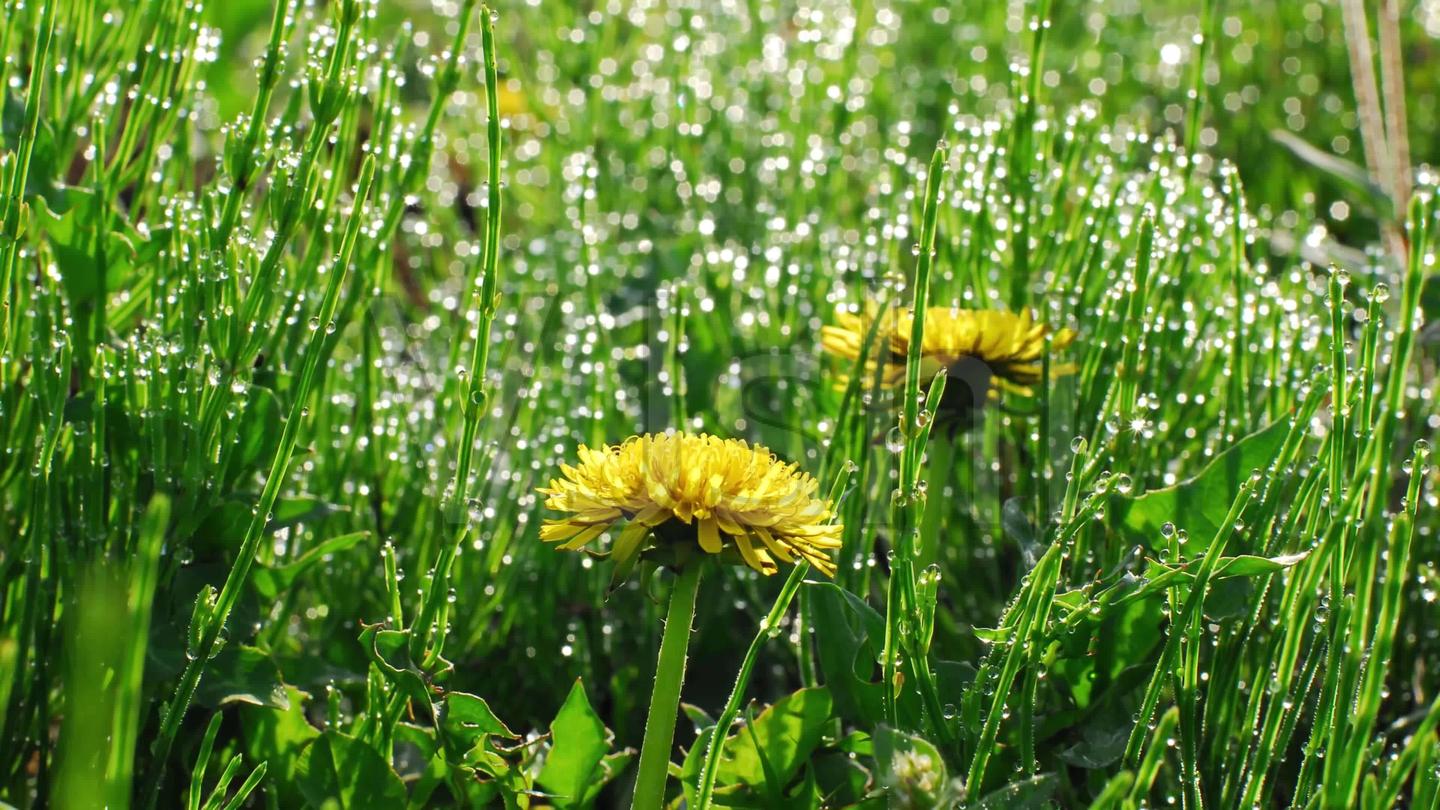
<point x="301" y="303"/>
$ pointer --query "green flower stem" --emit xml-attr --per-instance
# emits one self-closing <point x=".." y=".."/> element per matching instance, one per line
<point x="711" y="766"/>
<point x="665" y="699"/>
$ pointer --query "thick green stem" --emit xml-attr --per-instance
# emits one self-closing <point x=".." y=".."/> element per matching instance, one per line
<point x="665" y="699"/>
<point x="771" y="625"/>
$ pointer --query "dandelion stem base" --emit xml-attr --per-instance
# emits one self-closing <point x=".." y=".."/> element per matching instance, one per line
<point x="665" y="699"/>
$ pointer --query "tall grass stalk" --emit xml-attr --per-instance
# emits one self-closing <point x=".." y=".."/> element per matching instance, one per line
<point x="486" y="301"/>
<point x="715" y="749"/>
<point x="902" y="610"/>
<point x="213" y="610"/>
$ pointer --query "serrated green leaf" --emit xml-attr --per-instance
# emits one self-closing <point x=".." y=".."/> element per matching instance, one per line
<point x="467" y="719"/>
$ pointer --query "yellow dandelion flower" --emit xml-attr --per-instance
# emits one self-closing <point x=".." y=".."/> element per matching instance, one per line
<point x="1008" y="346"/>
<point x="719" y="494"/>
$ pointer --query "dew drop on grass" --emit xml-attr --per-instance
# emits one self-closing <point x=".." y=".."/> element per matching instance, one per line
<point x="895" y="440"/>
<point x="1102" y="484"/>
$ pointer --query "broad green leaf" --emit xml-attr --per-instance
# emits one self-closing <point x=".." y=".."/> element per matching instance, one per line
<point x="952" y="679"/>
<point x="697" y="715"/>
<point x="1199" y="504"/>
<point x="241" y="674"/>
<point x="784" y="734"/>
<point x="46" y="173"/>
<point x="1229" y="598"/>
<point x="850" y="636"/>
<point x="1158" y="578"/>
<point x="990" y="635"/>
<point x="694" y="761"/>
<point x="276" y="737"/>
<point x="1100" y="744"/>
<point x="579" y="744"/>
<point x="77" y="252"/>
<point x="258" y="433"/>
<point x="1101" y="644"/>
<point x="298" y="509"/>
<point x="610" y="767"/>
<point x="340" y="771"/>
<point x="427" y="770"/>
<point x="224" y="528"/>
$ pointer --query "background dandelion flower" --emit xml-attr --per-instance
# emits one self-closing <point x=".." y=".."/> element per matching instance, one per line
<point x="674" y="487"/>
<point x="1010" y="344"/>
<point x="985" y="351"/>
